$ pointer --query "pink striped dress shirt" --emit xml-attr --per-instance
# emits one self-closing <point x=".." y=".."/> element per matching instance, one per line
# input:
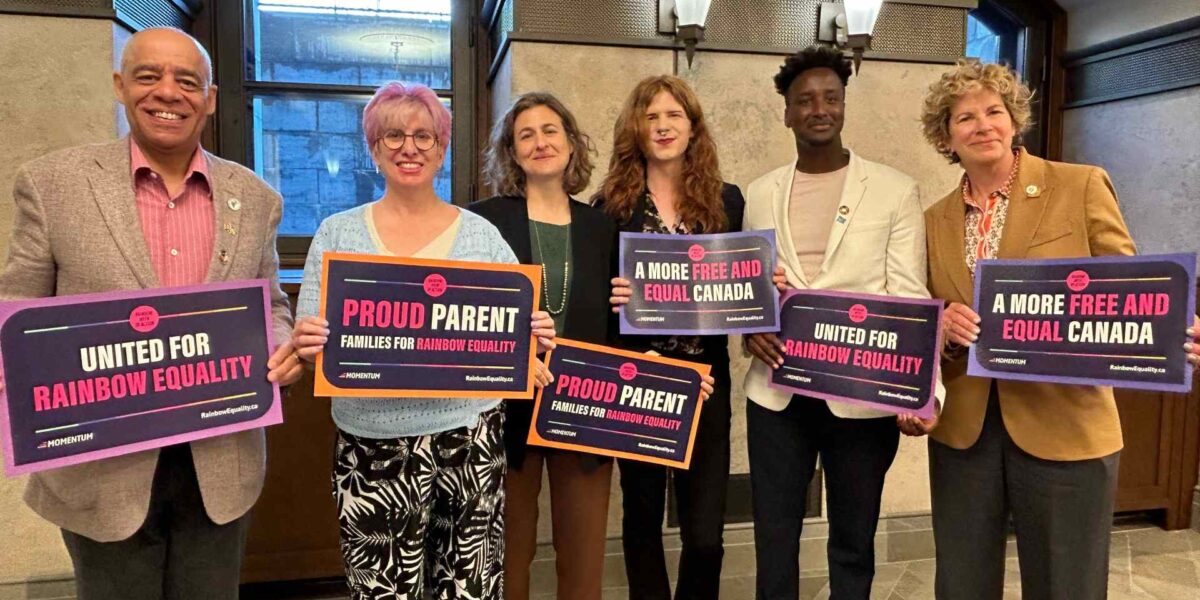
<point x="179" y="230"/>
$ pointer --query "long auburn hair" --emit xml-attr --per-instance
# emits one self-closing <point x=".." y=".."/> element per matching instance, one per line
<point x="625" y="182"/>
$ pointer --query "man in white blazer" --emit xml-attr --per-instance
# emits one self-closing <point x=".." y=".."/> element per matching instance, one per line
<point x="842" y="223"/>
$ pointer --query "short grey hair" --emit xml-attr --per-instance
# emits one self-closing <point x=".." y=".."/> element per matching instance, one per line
<point x="199" y="48"/>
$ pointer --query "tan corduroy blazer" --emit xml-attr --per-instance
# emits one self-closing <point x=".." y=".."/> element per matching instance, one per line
<point x="1056" y="210"/>
<point x="76" y="230"/>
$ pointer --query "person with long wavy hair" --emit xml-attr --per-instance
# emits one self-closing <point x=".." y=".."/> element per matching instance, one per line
<point x="537" y="159"/>
<point x="664" y="178"/>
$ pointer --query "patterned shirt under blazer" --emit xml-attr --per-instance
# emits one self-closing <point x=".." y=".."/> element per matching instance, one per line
<point x="76" y="231"/>
<point x="1056" y="210"/>
<point x="876" y="246"/>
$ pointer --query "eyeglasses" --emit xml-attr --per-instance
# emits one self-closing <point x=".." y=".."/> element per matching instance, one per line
<point x="393" y="139"/>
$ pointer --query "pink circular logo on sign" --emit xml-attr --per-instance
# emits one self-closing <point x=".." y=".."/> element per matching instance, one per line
<point x="143" y="319"/>
<point x="858" y="313"/>
<point x="435" y="285"/>
<point x="628" y="371"/>
<point x="696" y="252"/>
<point x="1078" y="280"/>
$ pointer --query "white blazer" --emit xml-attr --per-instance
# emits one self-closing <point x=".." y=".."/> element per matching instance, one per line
<point x="878" y="249"/>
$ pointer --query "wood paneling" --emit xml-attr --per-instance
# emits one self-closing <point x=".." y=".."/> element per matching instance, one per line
<point x="294" y="528"/>
<point x="1162" y="453"/>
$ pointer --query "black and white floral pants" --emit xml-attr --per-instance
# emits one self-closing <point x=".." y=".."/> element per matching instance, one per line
<point x="423" y="514"/>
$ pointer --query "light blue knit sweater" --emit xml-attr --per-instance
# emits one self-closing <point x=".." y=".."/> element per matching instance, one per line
<point x="477" y="240"/>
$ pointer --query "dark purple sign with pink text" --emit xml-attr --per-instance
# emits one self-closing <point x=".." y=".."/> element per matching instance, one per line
<point x="420" y="328"/>
<point x="877" y="351"/>
<point x="1117" y="320"/>
<point x="100" y="375"/>
<point x="619" y="403"/>
<point x="699" y="284"/>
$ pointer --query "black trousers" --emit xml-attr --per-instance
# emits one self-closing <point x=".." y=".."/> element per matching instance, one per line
<point x="855" y="455"/>
<point x="1061" y="510"/>
<point x="177" y="554"/>
<point x="700" y="494"/>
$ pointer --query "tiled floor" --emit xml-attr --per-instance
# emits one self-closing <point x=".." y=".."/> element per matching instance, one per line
<point x="1146" y="563"/>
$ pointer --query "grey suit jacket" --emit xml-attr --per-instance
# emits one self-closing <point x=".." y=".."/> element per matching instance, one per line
<point x="76" y="230"/>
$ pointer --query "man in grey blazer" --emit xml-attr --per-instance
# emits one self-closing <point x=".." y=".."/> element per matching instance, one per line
<point x="125" y="216"/>
<point x="842" y="223"/>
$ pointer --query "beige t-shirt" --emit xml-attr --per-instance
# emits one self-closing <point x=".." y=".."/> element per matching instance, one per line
<point x="812" y="208"/>
<point x="438" y="248"/>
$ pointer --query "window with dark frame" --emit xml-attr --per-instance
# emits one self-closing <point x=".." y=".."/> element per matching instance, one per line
<point x="1023" y="34"/>
<point x="982" y="42"/>
<point x="995" y="35"/>
<point x="292" y="108"/>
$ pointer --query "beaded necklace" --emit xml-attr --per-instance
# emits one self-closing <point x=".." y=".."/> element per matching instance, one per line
<point x="562" y="305"/>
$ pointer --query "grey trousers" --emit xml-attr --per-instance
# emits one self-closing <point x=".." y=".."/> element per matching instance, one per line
<point x="1061" y="511"/>
<point x="177" y="554"/>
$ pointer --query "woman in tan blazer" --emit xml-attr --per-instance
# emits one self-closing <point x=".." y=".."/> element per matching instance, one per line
<point x="1044" y="454"/>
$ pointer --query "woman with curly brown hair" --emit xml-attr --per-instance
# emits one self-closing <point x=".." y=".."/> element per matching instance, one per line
<point x="538" y="157"/>
<point x="1043" y="454"/>
<point x="664" y="178"/>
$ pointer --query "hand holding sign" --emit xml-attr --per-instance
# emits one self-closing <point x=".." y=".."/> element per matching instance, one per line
<point x="285" y="367"/>
<point x="542" y="326"/>
<point x="914" y="426"/>
<point x="309" y="336"/>
<point x="779" y="278"/>
<point x="622" y="290"/>
<point x="1192" y="347"/>
<point x="541" y="375"/>
<point x="766" y="347"/>
<point x="960" y="324"/>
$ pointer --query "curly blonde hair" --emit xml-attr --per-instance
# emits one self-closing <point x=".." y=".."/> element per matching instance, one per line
<point x="500" y="161"/>
<point x="626" y="179"/>
<point x="969" y="75"/>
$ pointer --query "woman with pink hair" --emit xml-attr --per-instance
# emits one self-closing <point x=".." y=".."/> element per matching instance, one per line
<point x="419" y="482"/>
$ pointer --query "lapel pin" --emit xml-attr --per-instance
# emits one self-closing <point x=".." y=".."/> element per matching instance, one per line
<point x="229" y="228"/>
<point x="235" y="204"/>
<point x="1031" y="190"/>
<point x="841" y="219"/>
<point x="843" y="210"/>
<point x="224" y="256"/>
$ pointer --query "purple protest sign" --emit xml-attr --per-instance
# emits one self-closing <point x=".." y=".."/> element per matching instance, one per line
<point x="100" y="375"/>
<point x="877" y="351"/>
<point x="408" y="327"/>
<point x="1116" y="320"/>
<point x="619" y="403"/>
<point x="699" y="284"/>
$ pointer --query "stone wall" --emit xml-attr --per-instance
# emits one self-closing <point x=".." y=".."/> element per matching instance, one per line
<point x="55" y="91"/>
